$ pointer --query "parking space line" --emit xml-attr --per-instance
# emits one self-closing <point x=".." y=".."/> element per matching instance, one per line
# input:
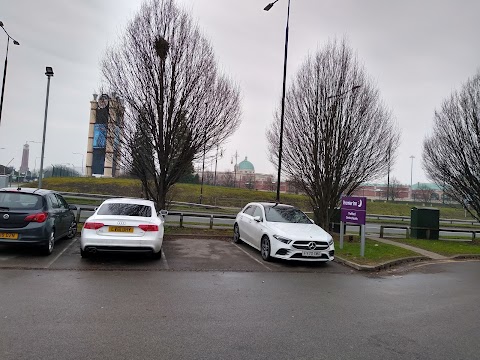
<point x="61" y="253"/>
<point x="164" y="260"/>
<point x="252" y="257"/>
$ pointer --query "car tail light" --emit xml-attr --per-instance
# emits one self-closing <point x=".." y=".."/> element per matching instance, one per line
<point x="39" y="217"/>
<point x="93" y="225"/>
<point x="148" y="227"/>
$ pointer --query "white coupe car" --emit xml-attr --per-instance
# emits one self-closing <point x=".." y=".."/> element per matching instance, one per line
<point x="282" y="231"/>
<point x="124" y="225"/>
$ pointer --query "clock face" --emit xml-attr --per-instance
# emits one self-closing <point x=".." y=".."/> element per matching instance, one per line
<point x="103" y="101"/>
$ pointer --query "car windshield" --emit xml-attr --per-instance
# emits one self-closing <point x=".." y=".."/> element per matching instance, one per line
<point x="20" y="201"/>
<point x="287" y="214"/>
<point x="125" y="209"/>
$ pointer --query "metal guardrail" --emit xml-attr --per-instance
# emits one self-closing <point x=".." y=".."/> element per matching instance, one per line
<point x="382" y="227"/>
<point x="181" y="214"/>
<point x="428" y="230"/>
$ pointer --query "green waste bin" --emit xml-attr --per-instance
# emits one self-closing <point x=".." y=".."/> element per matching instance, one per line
<point x="424" y="223"/>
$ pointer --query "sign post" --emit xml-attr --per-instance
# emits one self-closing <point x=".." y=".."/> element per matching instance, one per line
<point x="354" y="211"/>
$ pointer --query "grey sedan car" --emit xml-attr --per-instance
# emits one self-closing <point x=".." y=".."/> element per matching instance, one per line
<point x="35" y="217"/>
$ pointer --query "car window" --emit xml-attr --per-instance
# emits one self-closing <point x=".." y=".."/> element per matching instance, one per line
<point x="249" y="210"/>
<point x="287" y="214"/>
<point x="125" y="209"/>
<point x="53" y="202"/>
<point x="61" y="201"/>
<point x="19" y="201"/>
<point x="258" y="212"/>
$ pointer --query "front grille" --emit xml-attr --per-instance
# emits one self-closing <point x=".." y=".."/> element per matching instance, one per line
<point x="303" y="245"/>
<point x="300" y="256"/>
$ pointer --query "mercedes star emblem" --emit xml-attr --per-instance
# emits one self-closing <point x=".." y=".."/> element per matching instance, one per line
<point x="312" y="245"/>
<point x="6" y="216"/>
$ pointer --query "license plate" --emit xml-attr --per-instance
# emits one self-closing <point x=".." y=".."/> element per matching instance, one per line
<point x="12" y="236"/>
<point x="120" y="229"/>
<point x="311" y="253"/>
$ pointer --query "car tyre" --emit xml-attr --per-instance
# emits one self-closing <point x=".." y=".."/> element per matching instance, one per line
<point x="265" y="248"/>
<point x="47" y="249"/>
<point x="157" y="255"/>
<point x="84" y="254"/>
<point x="236" y="234"/>
<point x="72" y="230"/>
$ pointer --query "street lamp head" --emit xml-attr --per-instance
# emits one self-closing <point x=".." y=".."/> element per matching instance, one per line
<point x="1" y="23"/>
<point x="15" y="42"/>
<point x="269" y="6"/>
<point x="49" y="71"/>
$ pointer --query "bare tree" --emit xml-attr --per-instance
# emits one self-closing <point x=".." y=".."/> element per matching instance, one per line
<point x="424" y="193"/>
<point x="336" y="129"/>
<point x="228" y="179"/>
<point x="176" y="104"/>
<point x="451" y="153"/>
<point x="394" y="189"/>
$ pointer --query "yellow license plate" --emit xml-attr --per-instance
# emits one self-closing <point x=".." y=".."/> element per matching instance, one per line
<point x="120" y="229"/>
<point x="12" y="236"/>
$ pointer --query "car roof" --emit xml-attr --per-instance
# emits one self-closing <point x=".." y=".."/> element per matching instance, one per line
<point x="129" y="201"/>
<point x="269" y="204"/>
<point x="28" y="190"/>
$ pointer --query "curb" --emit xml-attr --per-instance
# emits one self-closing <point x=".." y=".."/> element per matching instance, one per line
<point x="465" y="256"/>
<point x="381" y="266"/>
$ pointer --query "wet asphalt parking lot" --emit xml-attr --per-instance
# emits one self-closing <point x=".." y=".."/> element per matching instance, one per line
<point x="179" y="254"/>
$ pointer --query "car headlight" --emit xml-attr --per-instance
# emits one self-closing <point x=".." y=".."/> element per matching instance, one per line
<point x="282" y="239"/>
<point x="330" y="242"/>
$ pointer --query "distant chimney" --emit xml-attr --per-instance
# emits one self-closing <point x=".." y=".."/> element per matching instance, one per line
<point x="95" y="97"/>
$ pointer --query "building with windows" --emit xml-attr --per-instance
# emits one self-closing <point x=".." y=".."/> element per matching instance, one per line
<point x="243" y="176"/>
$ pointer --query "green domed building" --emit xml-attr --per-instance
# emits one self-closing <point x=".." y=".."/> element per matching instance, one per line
<point x="246" y="167"/>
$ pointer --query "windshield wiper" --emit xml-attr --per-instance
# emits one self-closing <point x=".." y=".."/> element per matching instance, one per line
<point x="4" y="208"/>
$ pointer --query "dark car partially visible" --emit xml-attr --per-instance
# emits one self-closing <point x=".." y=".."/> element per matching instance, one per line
<point x="36" y="217"/>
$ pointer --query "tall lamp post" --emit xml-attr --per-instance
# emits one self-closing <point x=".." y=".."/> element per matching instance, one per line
<point x="282" y="114"/>
<point x="49" y="74"/>
<point x="411" y="175"/>
<point x="15" y="42"/>
<point x="75" y="153"/>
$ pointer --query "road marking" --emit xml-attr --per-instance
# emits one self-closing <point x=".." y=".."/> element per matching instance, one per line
<point x="61" y="253"/>
<point x="252" y="257"/>
<point x="164" y="260"/>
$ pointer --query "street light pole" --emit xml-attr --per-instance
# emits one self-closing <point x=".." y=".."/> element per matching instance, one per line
<point x="15" y="42"/>
<point x="282" y="114"/>
<point x="411" y="174"/>
<point x="49" y="74"/>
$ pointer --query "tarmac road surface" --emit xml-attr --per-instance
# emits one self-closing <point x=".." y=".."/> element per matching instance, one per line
<point x="430" y="312"/>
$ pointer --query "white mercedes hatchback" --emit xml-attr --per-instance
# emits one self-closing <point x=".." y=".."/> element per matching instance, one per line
<point x="124" y="225"/>
<point x="282" y="231"/>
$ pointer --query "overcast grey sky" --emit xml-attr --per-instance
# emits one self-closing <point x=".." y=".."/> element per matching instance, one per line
<point x="417" y="51"/>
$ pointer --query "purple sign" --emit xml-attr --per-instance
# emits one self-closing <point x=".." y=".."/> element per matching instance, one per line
<point x="354" y="209"/>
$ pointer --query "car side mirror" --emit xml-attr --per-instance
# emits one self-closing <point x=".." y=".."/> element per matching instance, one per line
<point x="257" y="218"/>
<point x="72" y="207"/>
<point x="163" y="213"/>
